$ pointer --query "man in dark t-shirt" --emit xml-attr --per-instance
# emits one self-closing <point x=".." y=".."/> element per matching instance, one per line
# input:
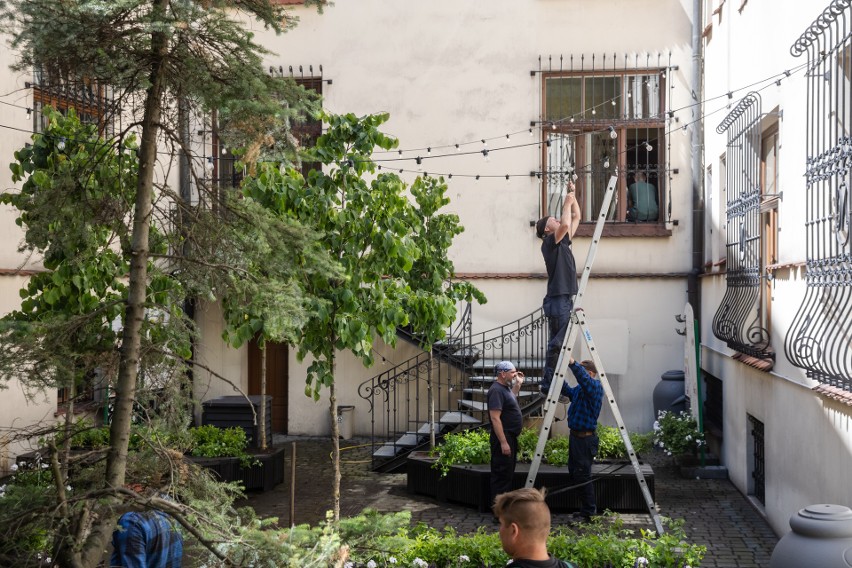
<point x="561" y="277"/>
<point x="506" y="423"/>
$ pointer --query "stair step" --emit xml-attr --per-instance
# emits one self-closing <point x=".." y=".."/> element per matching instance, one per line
<point x="475" y="405"/>
<point x="483" y="391"/>
<point x="484" y="379"/>
<point x="522" y="363"/>
<point x="457" y="418"/>
<point x="410" y="440"/>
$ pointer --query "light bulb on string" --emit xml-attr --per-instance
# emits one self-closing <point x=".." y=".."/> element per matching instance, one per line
<point x="458" y="148"/>
<point x="531" y="132"/>
<point x="29" y="112"/>
<point x="419" y="161"/>
<point x="224" y="150"/>
<point x="553" y="126"/>
<point x="485" y="154"/>
<point x="594" y="111"/>
<point x="572" y="118"/>
<point x="428" y="150"/>
<point x="613" y="102"/>
<point x="507" y="137"/>
<point x="648" y="146"/>
<point x="477" y="177"/>
<point x="612" y="133"/>
<point x="61" y="144"/>
<point x="606" y="162"/>
<point x="400" y="152"/>
<point x="484" y="142"/>
<point x="507" y="178"/>
<point x="450" y="176"/>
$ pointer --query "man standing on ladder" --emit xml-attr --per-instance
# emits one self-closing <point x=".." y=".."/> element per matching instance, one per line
<point x="561" y="277"/>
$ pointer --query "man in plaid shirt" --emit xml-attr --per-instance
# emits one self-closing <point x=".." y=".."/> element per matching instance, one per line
<point x="585" y="407"/>
<point x="146" y="539"/>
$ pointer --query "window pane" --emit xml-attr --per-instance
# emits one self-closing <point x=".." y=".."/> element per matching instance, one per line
<point x="600" y="160"/>
<point x="563" y="98"/>
<point x="601" y="92"/>
<point x="643" y="96"/>
<point x="561" y="163"/>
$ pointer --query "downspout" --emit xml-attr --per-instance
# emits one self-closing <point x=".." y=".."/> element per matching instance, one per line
<point x="693" y="282"/>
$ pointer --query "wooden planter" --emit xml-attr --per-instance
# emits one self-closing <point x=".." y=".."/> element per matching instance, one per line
<point x="264" y="474"/>
<point x="616" y="489"/>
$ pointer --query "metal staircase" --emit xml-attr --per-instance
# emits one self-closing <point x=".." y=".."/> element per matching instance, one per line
<point x="459" y="371"/>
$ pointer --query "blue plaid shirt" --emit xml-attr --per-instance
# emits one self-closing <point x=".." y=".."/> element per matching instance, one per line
<point x="146" y="539"/>
<point x="586" y="399"/>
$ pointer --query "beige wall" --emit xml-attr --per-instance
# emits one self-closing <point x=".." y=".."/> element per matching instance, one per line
<point x="808" y="438"/>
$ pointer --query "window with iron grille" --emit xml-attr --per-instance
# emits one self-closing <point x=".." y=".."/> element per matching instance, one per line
<point x="741" y="320"/>
<point x="818" y="339"/>
<point x="599" y="121"/>
<point x="91" y="102"/>
<point x="756" y="459"/>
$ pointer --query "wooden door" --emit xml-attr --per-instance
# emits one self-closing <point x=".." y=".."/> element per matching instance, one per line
<point x="277" y="380"/>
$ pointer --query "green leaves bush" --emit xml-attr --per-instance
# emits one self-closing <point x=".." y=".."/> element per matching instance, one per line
<point x="385" y="540"/>
<point x="213" y="442"/>
<point x="472" y="447"/>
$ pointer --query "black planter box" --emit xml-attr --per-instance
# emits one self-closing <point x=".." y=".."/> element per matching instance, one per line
<point x="266" y="471"/>
<point x="231" y="411"/>
<point x="617" y="488"/>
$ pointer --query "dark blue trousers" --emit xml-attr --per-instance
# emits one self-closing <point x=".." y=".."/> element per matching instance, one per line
<point x="557" y="309"/>
<point x="581" y="454"/>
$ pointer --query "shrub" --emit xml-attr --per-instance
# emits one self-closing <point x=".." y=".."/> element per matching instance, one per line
<point x="213" y="442"/>
<point x="677" y="433"/>
<point x="606" y="542"/>
<point x="612" y="446"/>
<point x="469" y="446"/>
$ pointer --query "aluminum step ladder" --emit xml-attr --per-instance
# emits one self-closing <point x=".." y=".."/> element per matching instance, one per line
<point x="577" y="324"/>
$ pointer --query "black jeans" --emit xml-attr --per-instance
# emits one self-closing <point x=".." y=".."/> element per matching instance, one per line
<point x="502" y="467"/>
<point x="581" y="454"/>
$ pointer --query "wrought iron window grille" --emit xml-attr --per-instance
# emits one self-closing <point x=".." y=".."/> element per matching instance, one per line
<point x="819" y="337"/>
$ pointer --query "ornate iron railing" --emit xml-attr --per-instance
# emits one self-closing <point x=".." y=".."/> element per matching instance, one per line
<point x="458" y="372"/>
<point x="819" y="338"/>
<point x="739" y="320"/>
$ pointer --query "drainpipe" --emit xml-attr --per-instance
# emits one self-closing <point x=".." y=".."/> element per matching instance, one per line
<point x="693" y="282"/>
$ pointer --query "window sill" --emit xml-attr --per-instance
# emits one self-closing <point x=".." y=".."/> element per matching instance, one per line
<point x="620" y="229"/>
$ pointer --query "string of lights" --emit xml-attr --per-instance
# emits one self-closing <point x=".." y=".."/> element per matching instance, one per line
<point x="486" y="151"/>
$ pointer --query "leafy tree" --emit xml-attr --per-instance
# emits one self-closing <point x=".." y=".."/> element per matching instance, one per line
<point x="391" y="248"/>
<point x="160" y="60"/>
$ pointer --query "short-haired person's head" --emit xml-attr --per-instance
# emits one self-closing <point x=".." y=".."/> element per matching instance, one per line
<point x="540" y="227"/>
<point x="526" y="509"/>
<point x="641" y="176"/>
<point x="590" y="366"/>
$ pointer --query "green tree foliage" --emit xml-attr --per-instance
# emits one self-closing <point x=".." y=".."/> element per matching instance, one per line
<point x="157" y="61"/>
<point x="391" y="247"/>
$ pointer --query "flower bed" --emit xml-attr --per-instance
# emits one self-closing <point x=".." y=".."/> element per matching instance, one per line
<point x="265" y="471"/>
<point x="616" y="489"/>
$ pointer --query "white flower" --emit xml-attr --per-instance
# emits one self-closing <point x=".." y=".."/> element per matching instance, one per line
<point x="420" y="562"/>
<point x="371" y="563"/>
<point x="48" y="560"/>
<point x="688" y="437"/>
<point x="68" y="488"/>
<point x="14" y="467"/>
<point x="668" y="453"/>
<point x="656" y="425"/>
<point x="662" y="445"/>
<point x="349" y="565"/>
<point x="641" y="561"/>
<point x="392" y="559"/>
<point x="44" y="466"/>
<point x="464" y="558"/>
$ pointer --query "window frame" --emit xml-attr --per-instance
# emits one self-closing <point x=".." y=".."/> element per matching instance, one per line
<point x="581" y="126"/>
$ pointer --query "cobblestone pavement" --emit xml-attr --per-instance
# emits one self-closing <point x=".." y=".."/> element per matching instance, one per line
<point x="715" y="513"/>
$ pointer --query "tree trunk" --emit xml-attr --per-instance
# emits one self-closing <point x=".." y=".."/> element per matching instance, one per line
<point x="431" y="398"/>
<point x="335" y="442"/>
<point x="91" y="551"/>
<point x="263" y="440"/>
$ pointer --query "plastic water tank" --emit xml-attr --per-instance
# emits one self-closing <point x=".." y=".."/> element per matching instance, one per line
<point x="821" y="536"/>
<point x="669" y="393"/>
